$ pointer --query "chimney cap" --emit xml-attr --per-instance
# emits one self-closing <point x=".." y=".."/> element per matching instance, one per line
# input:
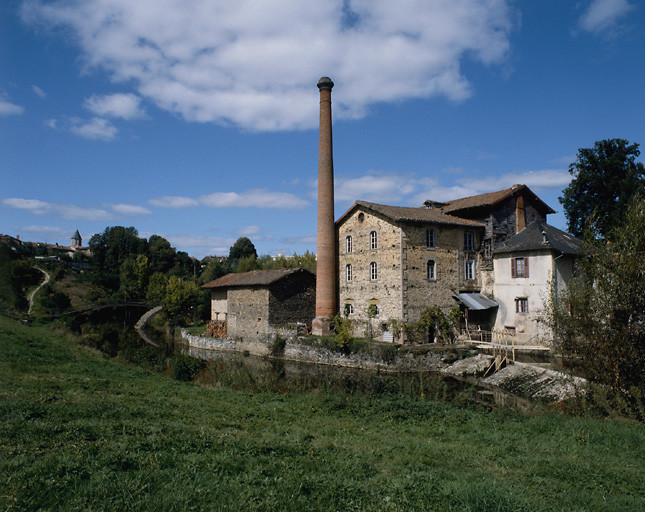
<point x="325" y="82"/>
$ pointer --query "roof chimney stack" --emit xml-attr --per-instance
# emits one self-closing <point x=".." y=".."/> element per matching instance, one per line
<point x="326" y="243"/>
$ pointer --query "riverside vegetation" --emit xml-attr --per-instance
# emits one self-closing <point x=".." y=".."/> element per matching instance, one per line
<point x="79" y="430"/>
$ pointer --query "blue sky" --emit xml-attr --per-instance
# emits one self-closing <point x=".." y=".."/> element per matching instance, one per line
<point x="197" y="120"/>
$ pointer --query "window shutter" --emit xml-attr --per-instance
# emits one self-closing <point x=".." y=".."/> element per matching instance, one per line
<point x="513" y="267"/>
<point x="526" y="267"/>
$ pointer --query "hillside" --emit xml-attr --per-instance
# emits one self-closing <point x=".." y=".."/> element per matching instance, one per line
<point x="79" y="431"/>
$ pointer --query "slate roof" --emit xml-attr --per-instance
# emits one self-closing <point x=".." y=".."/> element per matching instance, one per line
<point x="539" y="236"/>
<point x="76" y="236"/>
<point x="491" y="199"/>
<point x="412" y="214"/>
<point x="253" y="278"/>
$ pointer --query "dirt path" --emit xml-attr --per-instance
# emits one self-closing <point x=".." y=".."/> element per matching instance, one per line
<point x="31" y="297"/>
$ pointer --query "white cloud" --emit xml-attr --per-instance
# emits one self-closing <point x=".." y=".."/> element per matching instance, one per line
<point x="255" y="63"/>
<point x="249" y="231"/>
<point x="603" y="15"/>
<point x="38" y="91"/>
<point x="536" y="180"/>
<point x="394" y="188"/>
<point x="74" y="212"/>
<point x="64" y="211"/>
<point x="130" y="209"/>
<point x="306" y="239"/>
<point x="96" y="128"/>
<point x="255" y="198"/>
<point x="10" y="109"/>
<point x="51" y="123"/>
<point x="173" y="202"/>
<point x="46" y="231"/>
<point x="125" y="106"/>
<point x="198" y="245"/>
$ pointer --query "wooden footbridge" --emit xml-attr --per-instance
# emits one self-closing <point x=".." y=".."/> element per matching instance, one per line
<point x="502" y="347"/>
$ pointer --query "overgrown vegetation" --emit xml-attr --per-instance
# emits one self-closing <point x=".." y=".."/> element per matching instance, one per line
<point x="599" y="320"/>
<point x="81" y="432"/>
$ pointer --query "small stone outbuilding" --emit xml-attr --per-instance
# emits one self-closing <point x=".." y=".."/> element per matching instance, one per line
<point x="253" y="305"/>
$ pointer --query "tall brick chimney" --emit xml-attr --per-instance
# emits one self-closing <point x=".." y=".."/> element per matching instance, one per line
<point x="326" y="250"/>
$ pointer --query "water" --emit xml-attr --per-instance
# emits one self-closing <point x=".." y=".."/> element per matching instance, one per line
<point x="112" y="332"/>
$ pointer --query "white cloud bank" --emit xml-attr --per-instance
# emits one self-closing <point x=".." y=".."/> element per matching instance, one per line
<point x="603" y="15"/>
<point x="254" y="63"/>
<point x="255" y="198"/>
<point x="74" y="212"/>
<point x="393" y="188"/>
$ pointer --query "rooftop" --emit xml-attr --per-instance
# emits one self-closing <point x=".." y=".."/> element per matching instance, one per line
<point x="488" y="199"/>
<point x="253" y="278"/>
<point x="539" y="236"/>
<point x="412" y="214"/>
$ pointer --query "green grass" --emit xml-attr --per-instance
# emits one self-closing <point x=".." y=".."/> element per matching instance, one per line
<point x="82" y="432"/>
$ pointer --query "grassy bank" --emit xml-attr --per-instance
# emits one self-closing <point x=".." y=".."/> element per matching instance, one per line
<point x="78" y="431"/>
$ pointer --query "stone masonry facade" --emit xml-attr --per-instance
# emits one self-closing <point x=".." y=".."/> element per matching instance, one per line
<point x="384" y="262"/>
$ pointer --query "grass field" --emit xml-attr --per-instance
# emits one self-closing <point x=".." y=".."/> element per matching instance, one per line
<point x="82" y="432"/>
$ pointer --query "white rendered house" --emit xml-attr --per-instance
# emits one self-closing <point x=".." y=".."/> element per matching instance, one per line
<point x="524" y="267"/>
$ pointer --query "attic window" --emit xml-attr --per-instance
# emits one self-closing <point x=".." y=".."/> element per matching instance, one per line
<point x="361" y="217"/>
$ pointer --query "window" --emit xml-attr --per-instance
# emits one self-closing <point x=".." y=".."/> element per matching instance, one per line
<point x="349" y="309"/>
<point x="519" y="267"/>
<point x="431" y="271"/>
<point x="469" y="270"/>
<point x="361" y="217"/>
<point x="348" y="241"/>
<point x="521" y="305"/>
<point x="373" y="240"/>
<point x="348" y="273"/>
<point x="469" y="241"/>
<point x="429" y="238"/>
<point x="373" y="271"/>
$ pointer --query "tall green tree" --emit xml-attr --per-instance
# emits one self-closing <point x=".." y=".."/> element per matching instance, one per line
<point x="605" y="179"/>
<point x="109" y="251"/>
<point x="599" y="319"/>
<point x="242" y="248"/>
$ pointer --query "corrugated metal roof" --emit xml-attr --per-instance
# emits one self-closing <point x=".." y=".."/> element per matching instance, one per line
<point x="475" y="301"/>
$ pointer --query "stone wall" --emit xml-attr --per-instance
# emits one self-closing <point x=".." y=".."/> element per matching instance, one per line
<point x="294" y="350"/>
<point x="448" y="255"/>
<point x="248" y="312"/>
<point x="361" y="292"/>
<point x="293" y="299"/>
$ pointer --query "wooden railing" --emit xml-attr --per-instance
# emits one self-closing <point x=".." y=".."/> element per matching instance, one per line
<point x="500" y="343"/>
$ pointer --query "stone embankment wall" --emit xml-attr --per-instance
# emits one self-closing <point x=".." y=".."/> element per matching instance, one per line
<point x="294" y="350"/>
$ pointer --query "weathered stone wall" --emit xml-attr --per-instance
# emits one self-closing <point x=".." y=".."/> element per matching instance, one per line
<point x="293" y="299"/>
<point x="420" y="292"/>
<point x="248" y="312"/>
<point x="385" y="291"/>
<point x="294" y="350"/>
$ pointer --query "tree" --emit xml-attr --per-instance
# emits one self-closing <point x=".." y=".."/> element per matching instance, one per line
<point x="110" y="249"/>
<point x="181" y="300"/>
<point x="599" y="320"/>
<point x="605" y="179"/>
<point x="242" y="247"/>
